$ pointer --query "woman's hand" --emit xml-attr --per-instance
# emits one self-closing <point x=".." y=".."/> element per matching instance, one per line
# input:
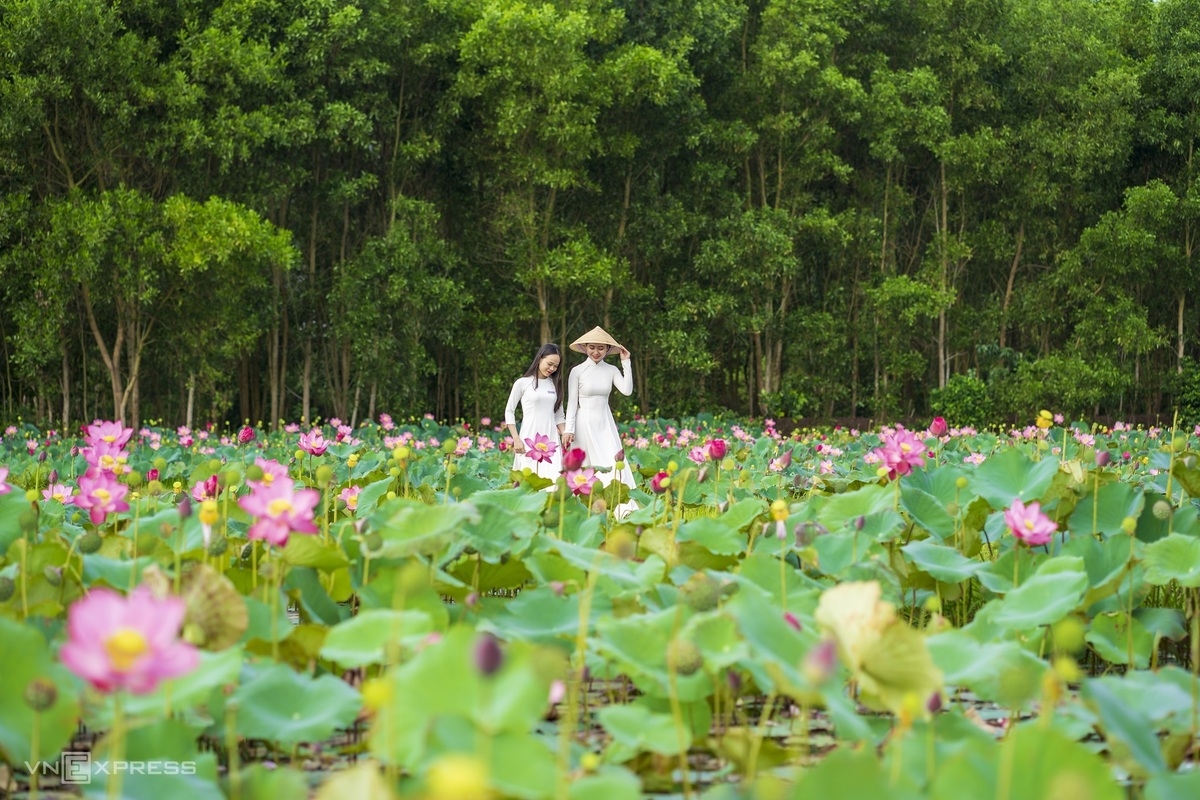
<point x="567" y="438"/>
<point x="518" y="446"/>
<point x="624" y="354"/>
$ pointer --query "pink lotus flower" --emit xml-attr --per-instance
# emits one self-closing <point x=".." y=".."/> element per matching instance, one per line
<point x="349" y="496"/>
<point x="540" y="448"/>
<point x="660" y="482"/>
<point x="4" y="487"/>
<point x="106" y="457"/>
<point x="129" y="642"/>
<point x="313" y="442"/>
<point x="1029" y="524"/>
<point x="113" y="433"/>
<point x="101" y="494"/>
<point x="205" y="490"/>
<point x="281" y="510"/>
<point x="152" y="474"/>
<point x="697" y="455"/>
<point x="580" y="481"/>
<point x="717" y="449"/>
<point x="246" y="435"/>
<point x="938" y="427"/>
<point x="573" y="459"/>
<point x="901" y="451"/>
<point x="464" y="444"/>
<point x="58" y="491"/>
<point x="780" y="464"/>
<point x="271" y="471"/>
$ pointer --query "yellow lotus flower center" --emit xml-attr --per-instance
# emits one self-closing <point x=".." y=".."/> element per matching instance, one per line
<point x="103" y="495"/>
<point x="110" y="438"/>
<point x="268" y="479"/>
<point x="542" y="446"/>
<point x="107" y="462"/>
<point x="278" y="507"/>
<point x="124" y="648"/>
<point x="905" y="446"/>
<point x="352" y="501"/>
<point x="60" y="495"/>
<point x="208" y="512"/>
<point x="1028" y="524"/>
<point x="580" y="480"/>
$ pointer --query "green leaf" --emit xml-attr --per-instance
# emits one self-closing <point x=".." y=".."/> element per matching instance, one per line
<point x="1009" y="475"/>
<point x="1054" y="591"/>
<point x="1126" y="723"/>
<point x="640" y="729"/>
<point x="1106" y="511"/>
<point x="282" y="706"/>
<point x="311" y="551"/>
<point x="927" y="511"/>
<point x="367" y="637"/>
<point x="944" y="563"/>
<point x="25" y="657"/>
<point x="1175" y="558"/>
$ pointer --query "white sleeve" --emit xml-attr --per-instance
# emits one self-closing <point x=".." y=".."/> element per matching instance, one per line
<point x="572" y="403"/>
<point x="560" y="414"/>
<point x="514" y="397"/>
<point x="623" y="380"/>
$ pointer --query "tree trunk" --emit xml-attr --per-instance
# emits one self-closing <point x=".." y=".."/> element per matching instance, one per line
<point x="306" y="408"/>
<point x="66" y="391"/>
<point x="1008" y="290"/>
<point x="191" y="401"/>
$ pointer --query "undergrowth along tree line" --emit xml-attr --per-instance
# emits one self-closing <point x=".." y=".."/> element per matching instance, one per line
<point x="264" y="210"/>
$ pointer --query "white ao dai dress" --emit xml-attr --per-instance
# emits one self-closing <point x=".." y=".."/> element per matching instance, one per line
<point x="590" y="419"/>
<point x="537" y="398"/>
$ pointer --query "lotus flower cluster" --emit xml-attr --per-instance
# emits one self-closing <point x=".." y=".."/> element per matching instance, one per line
<point x="314" y="442"/>
<point x="281" y="509"/>
<point x="100" y="493"/>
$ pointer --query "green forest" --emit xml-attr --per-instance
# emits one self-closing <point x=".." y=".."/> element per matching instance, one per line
<point x="282" y="209"/>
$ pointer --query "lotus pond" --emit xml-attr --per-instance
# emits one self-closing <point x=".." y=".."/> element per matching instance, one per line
<point x="388" y="611"/>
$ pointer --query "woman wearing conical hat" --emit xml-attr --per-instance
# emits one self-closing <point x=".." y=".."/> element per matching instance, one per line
<point x="590" y="423"/>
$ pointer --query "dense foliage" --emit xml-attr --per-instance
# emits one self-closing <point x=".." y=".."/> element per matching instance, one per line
<point x="264" y="210"/>
<point x="389" y="612"/>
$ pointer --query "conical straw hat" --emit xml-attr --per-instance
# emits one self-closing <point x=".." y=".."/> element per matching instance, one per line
<point x="596" y="335"/>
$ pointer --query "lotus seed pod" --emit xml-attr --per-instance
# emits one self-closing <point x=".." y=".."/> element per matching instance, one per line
<point x="324" y="475"/>
<point x="701" y="592"/>
<point x="214" y="464"/>
<point x="449" y="446"/>
<point x="599" y="506"/>
<point x="401" y="453"/>
<point x="299" y="455"/>
<point x="31" y="495"/>
<point x="7" y="587"/>
<point x="133" y="479"/>
<point x="961" y="482"/>
<point x="622" y="544"/>
<point x="1129" y="525"/>
<point x="1161" y="509"/>
<point x="394" y="472"/>
<point x="41" y="694"/>
<point x="89" y="542"/>
<point x="685" y="655"/>
<point x="1069" y="635"/>
<point x="254" y="473"/>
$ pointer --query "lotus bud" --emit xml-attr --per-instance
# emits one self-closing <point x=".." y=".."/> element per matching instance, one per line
<point x="1103" y="457"/>
<point x="488" y="655"/>
<point x="185" y="507"/>
<point x="938" y="427"/>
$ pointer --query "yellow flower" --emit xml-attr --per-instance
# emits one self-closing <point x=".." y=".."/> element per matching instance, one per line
<point x="890" y="660"/>
<point x="1045" y="419"/>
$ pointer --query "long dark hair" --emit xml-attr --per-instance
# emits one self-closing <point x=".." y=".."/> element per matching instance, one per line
<point x="548" y="349"/>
